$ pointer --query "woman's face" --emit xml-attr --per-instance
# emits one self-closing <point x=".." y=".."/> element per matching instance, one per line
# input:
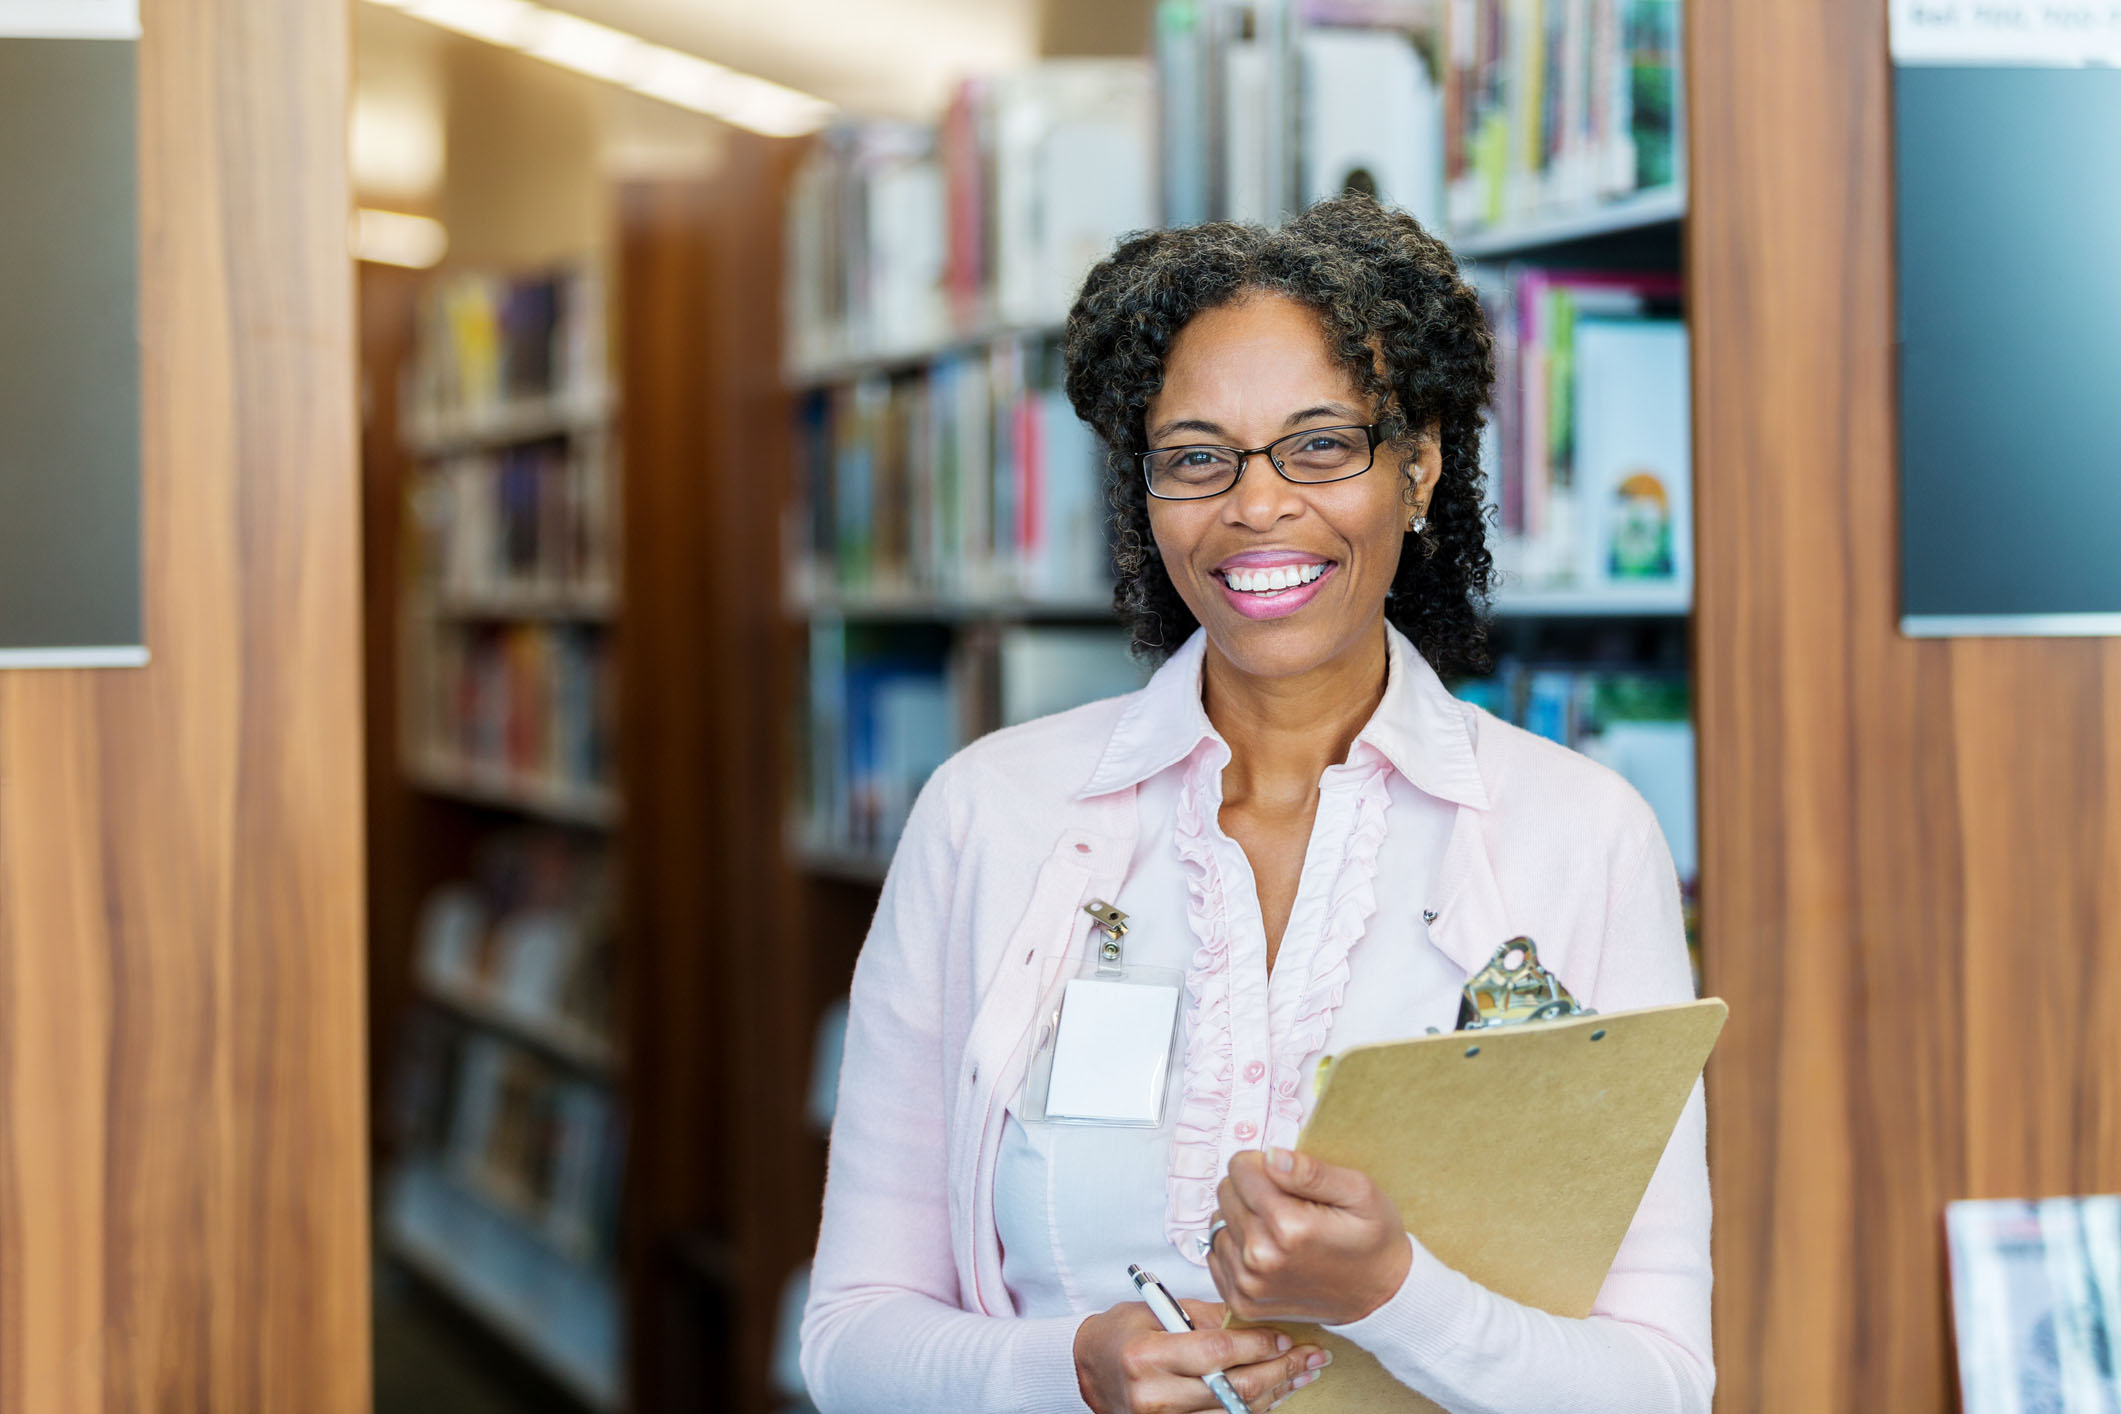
<point x="1244" y="375"/>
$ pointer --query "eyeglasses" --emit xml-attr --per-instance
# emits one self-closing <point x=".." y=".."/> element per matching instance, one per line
<point x="1308" y="458"/>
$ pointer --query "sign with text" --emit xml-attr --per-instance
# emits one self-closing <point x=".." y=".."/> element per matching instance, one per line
<point x="70" y="550"/>
<point x="2051" y="33"/>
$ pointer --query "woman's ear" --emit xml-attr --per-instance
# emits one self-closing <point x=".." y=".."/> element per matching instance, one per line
<point x="1428" y="464"/>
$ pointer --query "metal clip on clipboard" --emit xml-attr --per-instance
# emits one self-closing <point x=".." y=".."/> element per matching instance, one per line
<point x="1513" y="989"/>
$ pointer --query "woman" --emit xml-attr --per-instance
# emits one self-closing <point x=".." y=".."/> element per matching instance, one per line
<point x="1297" y="815"/>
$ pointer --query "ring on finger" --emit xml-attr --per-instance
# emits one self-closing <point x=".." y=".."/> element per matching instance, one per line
<point x="1208" y="1244"/>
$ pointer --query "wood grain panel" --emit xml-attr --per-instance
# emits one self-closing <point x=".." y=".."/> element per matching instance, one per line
<point x="182" y="1176"/>
<point x="716" y="1001"/>
<point x="1899" y="836"/>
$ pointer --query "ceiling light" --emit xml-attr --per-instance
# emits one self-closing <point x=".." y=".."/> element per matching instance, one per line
<point x="674" y="77"/>
<point x="597" y="50"/>
<point x="395" y="238"/>
<point x="509" y="22"/>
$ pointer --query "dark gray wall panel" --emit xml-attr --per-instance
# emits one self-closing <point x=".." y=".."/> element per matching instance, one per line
<point x="69" y="347"/>
<point x="2009" y="239"/>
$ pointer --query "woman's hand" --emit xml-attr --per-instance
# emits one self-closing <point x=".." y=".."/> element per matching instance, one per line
<point x="1126" y="1363"/>
<point x="1306" y="1241"/>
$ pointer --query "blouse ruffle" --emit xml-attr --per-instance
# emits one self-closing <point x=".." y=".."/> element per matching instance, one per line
<point x="1299" y="1019"/>
<point x="1204" y="1104"/>
<point x="1298" y="1037"/>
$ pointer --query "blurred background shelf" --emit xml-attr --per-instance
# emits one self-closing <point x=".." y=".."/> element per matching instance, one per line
<point x="533" y="605"/>
<point x="560" y="1316"/>
<point x="504" y="423"/>
<point x="1656" y="602"/>
<point x="845" y="368"/>
<point x="1637" y="212"/>
<point x="555" y="1036"/>
<point x="884" y="606"/>
<point x="592" y="807"/>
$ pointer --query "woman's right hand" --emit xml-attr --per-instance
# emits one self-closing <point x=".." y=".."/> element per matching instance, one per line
<point x="1126" y="1363"/>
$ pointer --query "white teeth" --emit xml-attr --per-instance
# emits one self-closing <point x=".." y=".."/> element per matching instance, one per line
<point x="1268" y="581"/>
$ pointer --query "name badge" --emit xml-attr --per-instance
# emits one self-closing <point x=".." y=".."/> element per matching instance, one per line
<point x="1105" y="1055"/>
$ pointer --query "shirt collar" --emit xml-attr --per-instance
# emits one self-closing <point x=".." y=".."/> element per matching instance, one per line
<point x="1418" y="726"/>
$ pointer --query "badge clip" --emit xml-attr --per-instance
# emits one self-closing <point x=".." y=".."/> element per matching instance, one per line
<point x="1113" y="924"/>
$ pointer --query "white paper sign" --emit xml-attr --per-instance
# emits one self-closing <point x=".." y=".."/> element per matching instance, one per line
<point x="1113" y="1052"/>
<point x="2017" y="33"/>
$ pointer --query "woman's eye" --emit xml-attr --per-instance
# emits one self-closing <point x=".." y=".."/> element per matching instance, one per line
<point x="1199" y="459"/>
<point x="1324" y="443"/>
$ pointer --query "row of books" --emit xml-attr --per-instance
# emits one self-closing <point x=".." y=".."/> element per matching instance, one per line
<point x="530" y="1139"/>
<point x="1556" y="105"/>
<point x="900" y="235"/>
<point x="526" y="702"/>
<point x="1588" y="448"/>
<point x="530" y="934"/>
<point x="530" y="521"/>
<point x="1262" y="109"/>
<point x="486" y="341"/>
<point x="971" y="476"/>
<point x="1637" y="721"/>
<point x="889" y="703"/>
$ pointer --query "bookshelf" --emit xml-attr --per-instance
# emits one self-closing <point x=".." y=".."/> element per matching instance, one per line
<point x="491" y="452"/>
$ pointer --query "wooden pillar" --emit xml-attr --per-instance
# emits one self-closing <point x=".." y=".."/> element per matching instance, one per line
<point x="183" y="1191"/>
<point x="1912" y="849"/>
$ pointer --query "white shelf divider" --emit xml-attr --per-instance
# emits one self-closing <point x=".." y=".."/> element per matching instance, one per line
<point x="1639" y="211"/>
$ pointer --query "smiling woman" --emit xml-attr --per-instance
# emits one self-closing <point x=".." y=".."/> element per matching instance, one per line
<point x="1350" y="314"/>
<point x="1296" y="819"/>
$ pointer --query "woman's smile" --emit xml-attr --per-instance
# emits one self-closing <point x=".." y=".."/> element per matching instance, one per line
<point x="1272" y="584"/>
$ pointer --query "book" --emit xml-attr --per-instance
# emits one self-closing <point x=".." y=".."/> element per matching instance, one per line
<point x="1632" y="453"/>
<point x="2036" y="1303"/>
<point x="1549" y="529"/>
<point x="1553" y="106"/>
<point x="1372" y="120"/>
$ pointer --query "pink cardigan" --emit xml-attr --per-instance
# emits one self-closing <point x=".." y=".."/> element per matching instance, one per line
<point x="972" y="937"/>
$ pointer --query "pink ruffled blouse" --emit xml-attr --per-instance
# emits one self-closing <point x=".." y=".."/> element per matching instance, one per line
<point x="961" y="1249"/>
<point x="1075" y="1206"/>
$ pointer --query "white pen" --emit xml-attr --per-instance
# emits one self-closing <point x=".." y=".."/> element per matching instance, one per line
<point x="1175" y="1320"/>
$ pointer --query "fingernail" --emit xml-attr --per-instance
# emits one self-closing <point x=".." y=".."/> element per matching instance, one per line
<point x="1282" y="1159"/>
<point x="1319" y="1361"/>
<point x="1305" y="1378"/>
<point x="1282" y="1344"/>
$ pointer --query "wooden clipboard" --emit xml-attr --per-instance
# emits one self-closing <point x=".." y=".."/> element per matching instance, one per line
<point x="1517" y="1154"/>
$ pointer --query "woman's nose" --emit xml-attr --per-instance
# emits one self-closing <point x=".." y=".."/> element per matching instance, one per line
<point x="1262" y="495"/>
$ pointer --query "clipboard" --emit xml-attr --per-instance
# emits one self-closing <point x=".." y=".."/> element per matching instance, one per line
<point x="1517" y="1154"/>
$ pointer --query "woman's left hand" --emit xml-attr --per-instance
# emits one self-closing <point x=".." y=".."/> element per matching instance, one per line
<point x="1306" y="1241"/>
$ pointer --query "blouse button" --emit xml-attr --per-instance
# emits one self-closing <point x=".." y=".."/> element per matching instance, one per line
<point x="1246" y="1132"/>
<point x="1254" y="1071"/>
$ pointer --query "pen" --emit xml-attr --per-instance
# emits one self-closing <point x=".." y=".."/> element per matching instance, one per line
<point x="1175" y="1320"/>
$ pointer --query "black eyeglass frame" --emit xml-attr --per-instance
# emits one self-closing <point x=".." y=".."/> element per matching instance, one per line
<point x="1244" y="460"/>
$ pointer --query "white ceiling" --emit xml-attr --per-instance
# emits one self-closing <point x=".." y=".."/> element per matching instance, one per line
<point x="896" y="57"/>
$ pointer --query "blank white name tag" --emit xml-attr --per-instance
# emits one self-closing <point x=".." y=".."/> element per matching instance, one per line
<point x="1113" y="1054"/>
